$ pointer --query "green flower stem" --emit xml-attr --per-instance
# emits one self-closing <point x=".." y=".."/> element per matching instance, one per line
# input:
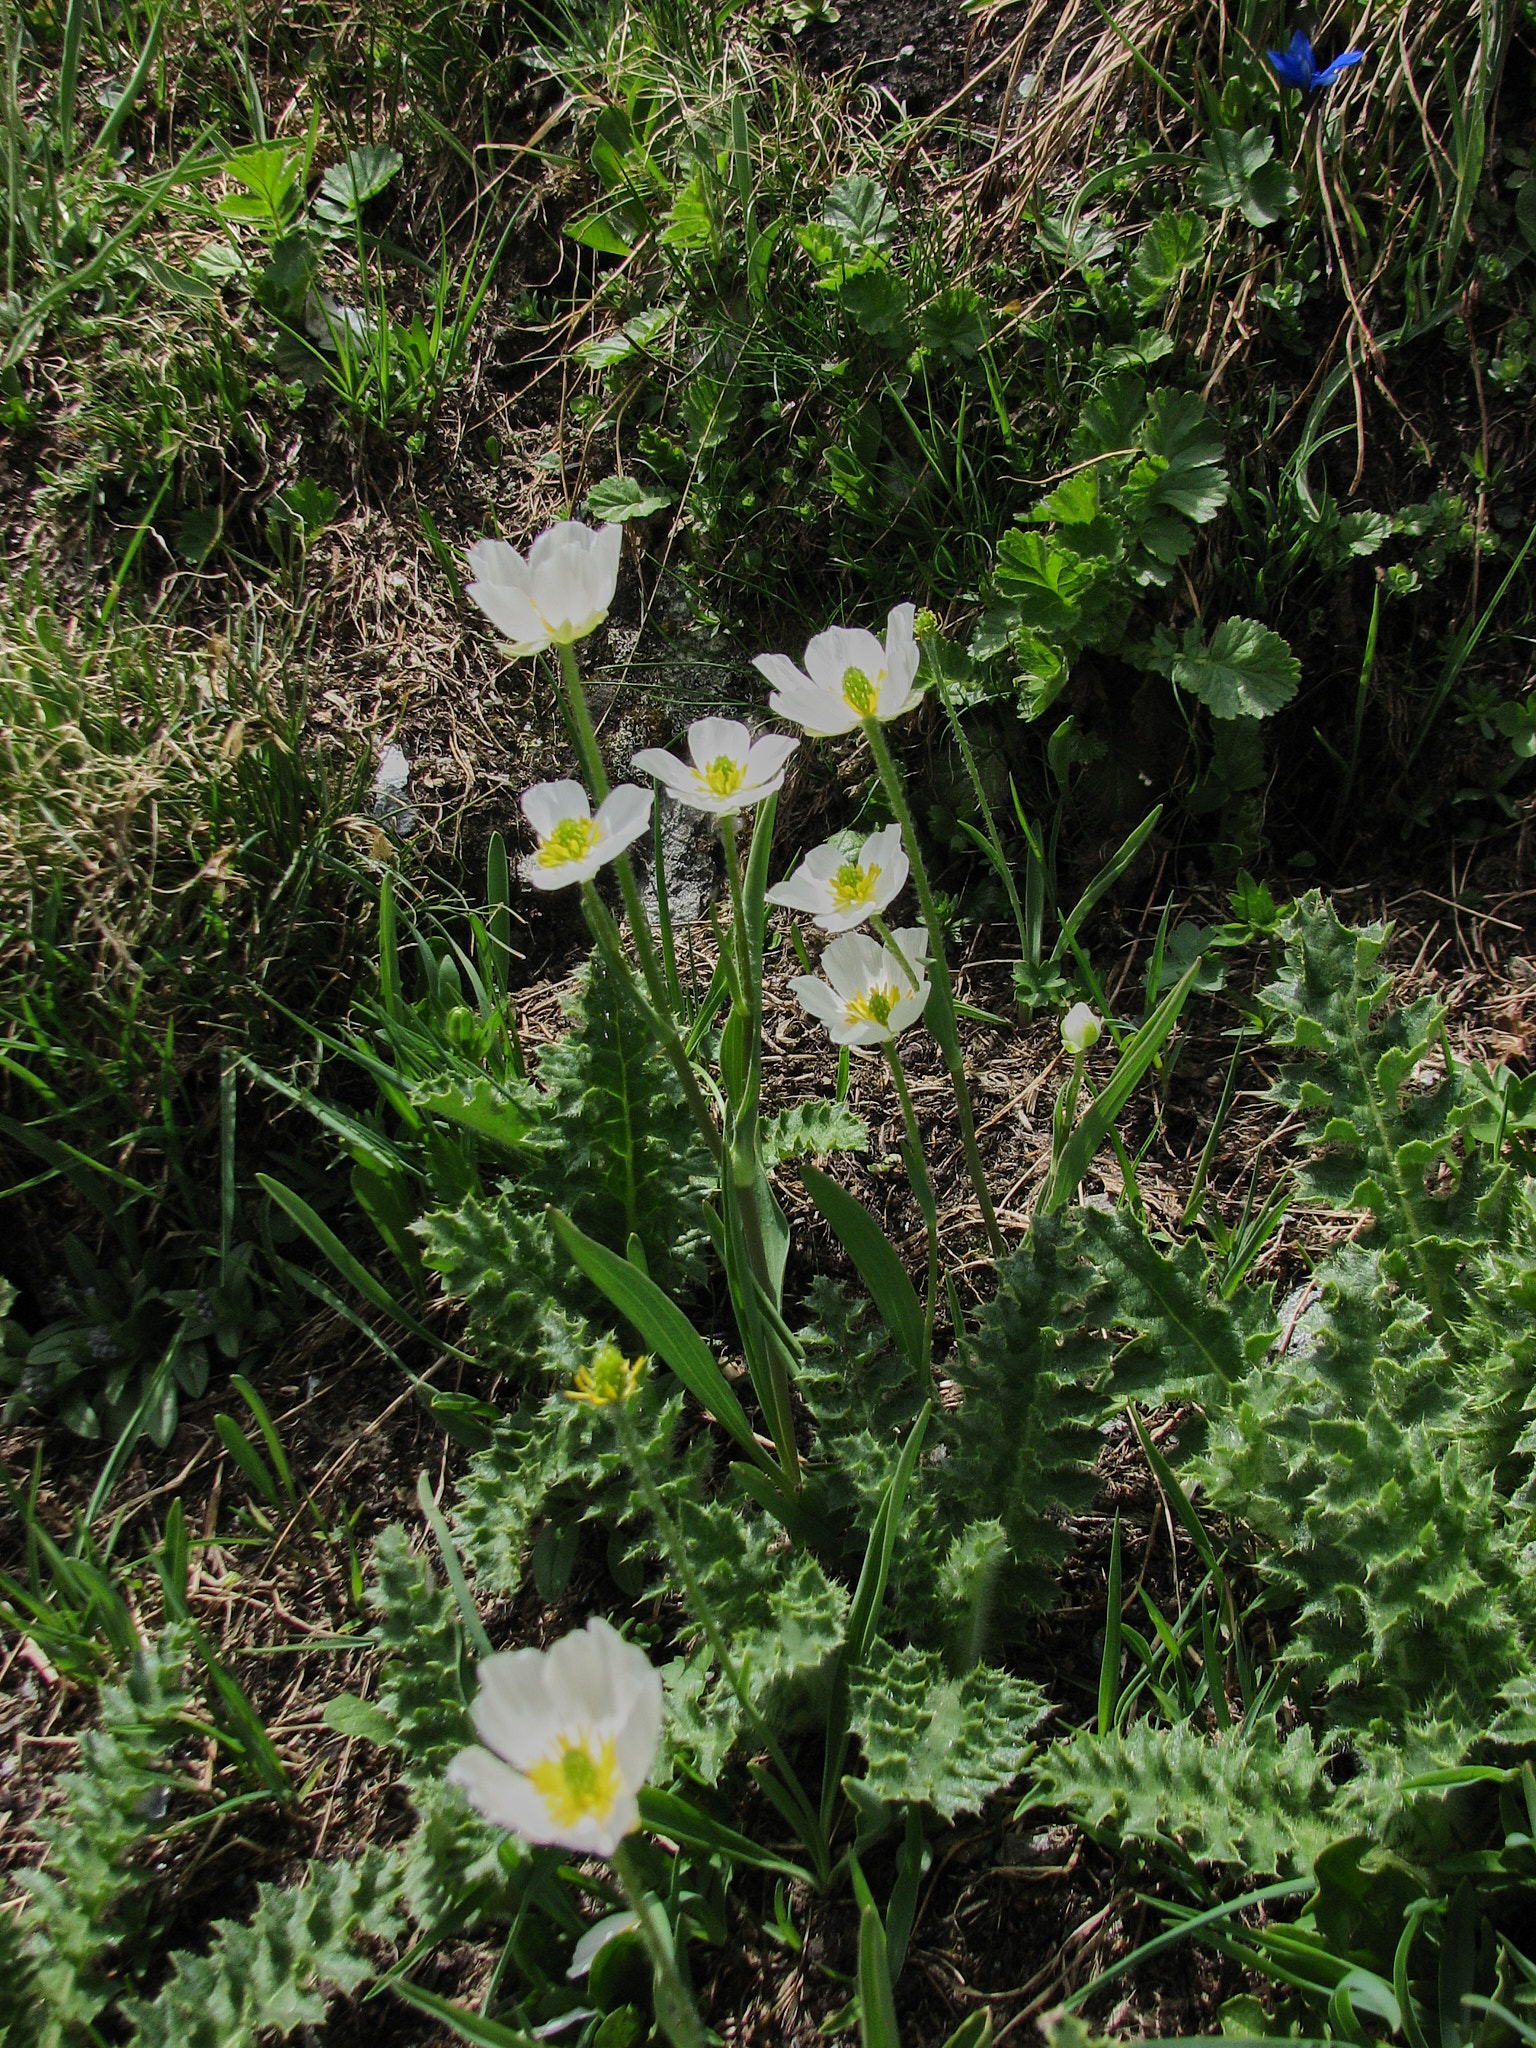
<point x="590" y="756"/>
<point x="922" y="1187"/>
<point x="704" y="1615"/>
<point x="941" y="1004"/>
<point x="606" y="933"/>
<point x="675" y="2013"/>
<point x="742" y="1137"/>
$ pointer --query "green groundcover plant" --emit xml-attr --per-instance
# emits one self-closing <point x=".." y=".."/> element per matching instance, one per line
<point x="822" y="1576"/>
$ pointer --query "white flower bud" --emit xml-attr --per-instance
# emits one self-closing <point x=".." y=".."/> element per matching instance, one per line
<point x="1080" y="1029"/>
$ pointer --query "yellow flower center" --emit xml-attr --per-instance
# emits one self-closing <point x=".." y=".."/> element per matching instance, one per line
<point x="607" y="1378"/>
<point x="853" y="885"/>
<point x="571" y="840"/>
<point x="724" y="776"/>
<point x="576" y="1783"/>
<point x="874" y="1006"/>
<point x="859" y="693"/>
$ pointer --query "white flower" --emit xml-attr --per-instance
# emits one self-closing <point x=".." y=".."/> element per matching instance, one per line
<point x="868" y="997"/>
<point x="598" y="1936"/>
<point x="730" y="770"/>
<point x="848" y="676"/>
<point x="1080" y="1029"/>
<point x="839" y="890"/>
<point x="569" y="1735"/>
<point x="559" y="594"/>
<point x="573" y="844"/>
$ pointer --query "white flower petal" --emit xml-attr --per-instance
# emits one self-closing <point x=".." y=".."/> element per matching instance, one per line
<point x="823" y="862"/>
<point x="864" y="1032"/>
<point x="513" y="613"/>
<point x="638" y="1736"/>
<point x="597" y="1937"/>
<point x="710" y="738"/>
<point x="622" y="816"/>
<point x="769" y="756"/>
<point x="512" y="1712"/>
<point x="677" y="775"/>
<point x="781" y="672"/>
<point x="818" y="712"/>
<point x="854" y="964"/>
<point x="816" y="997"/>
<point x="506" y="1798"/>
<point x="494" y="562"/>
<point x="902" y="657"/>
<point x="590" y="1836"/>
<point x="580" y="1673"/>
<point x="548" y="804"/>
<point x="831" y="654"/>
<point x="913" y="941"/>
<point x="540" y="875"/>
<point x="909" y="1006"/>
<point x="799" y="891"/>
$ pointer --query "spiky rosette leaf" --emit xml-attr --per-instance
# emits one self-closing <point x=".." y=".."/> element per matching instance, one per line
<point x="1247" y="1800"/>
<point x="1021" y="1449"/>
<point x="933" y="1739"/>
<point x="1377" y="1104"/>
<point x="278" y="1970"/>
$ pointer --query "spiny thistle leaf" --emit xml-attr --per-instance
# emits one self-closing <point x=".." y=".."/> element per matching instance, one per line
<point x="1247" y="1800"/>
<point x="619" y="1153"/>
<point x="1023" y="1445"/>
<point x="87" y="1901"/>
<point x="782" y="1616"/>
<point x="1380" y="1138"/>
<point x="1192" y="1346"/>
<point x="932" y="1738"/>
<point x="810" y="1130"/>
<point x="1343" y="1455"/>
<point x="630" y="1157"/>
<point x="277" y="1970"/>
<point x="459" y="1869"/>
<point x="421" y="1688"/>
<point x="562" y="1453"/>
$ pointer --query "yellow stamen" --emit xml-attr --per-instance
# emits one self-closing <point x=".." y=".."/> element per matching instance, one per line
<point x="853" y="885"/>
<point x="859" y="693"/>
<point x="723" y="776"/>
<point x="607" y="1378"/>
<point x="874" y="1006"/>
<point x="577" y="1782"/>
<point x="571" y="840"/>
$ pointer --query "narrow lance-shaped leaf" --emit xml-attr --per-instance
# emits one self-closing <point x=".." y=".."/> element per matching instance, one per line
<point x="872" y="1252"/>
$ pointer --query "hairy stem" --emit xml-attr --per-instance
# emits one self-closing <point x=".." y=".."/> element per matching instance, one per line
<point x="922" y="1187"/>
<point x="591" y="759"/>
<point x="941" y="1004"/>
<point x="743" y="1131"/>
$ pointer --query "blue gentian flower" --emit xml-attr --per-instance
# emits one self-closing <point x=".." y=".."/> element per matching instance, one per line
<point x="1295" y="65"/>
